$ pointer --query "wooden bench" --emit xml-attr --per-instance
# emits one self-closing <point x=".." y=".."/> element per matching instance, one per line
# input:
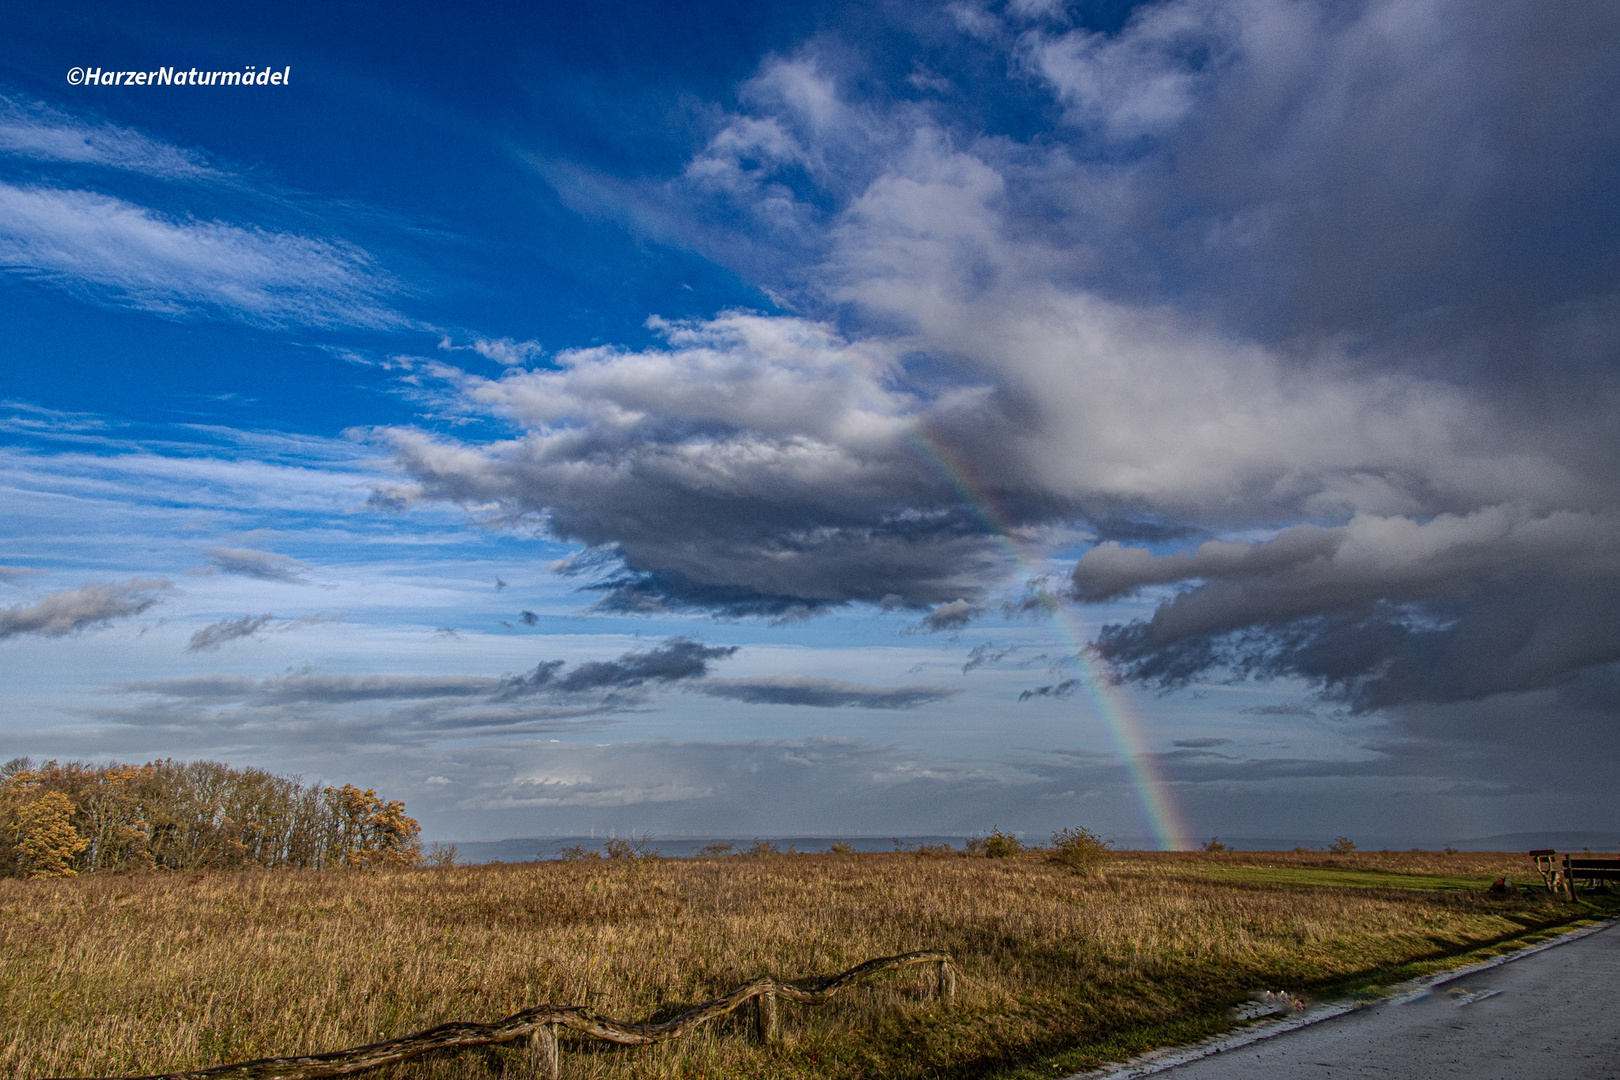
<point x="1560" y="872"/>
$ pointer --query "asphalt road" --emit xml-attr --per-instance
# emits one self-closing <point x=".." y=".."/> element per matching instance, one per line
<point x="1556" y="1013"/>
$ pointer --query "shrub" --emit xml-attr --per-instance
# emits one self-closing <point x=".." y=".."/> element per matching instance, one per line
<point x="718" y="847"/>
<point x="442" y="855"/>
<point x="763" y="847"/>
<point x="1079" y="850"/>
<point x="840" y="847"/>
<point x="577" y="852"/>
<point x="636" y="848"/>
<point x="1000" y="845"/>
<point x="1342" y="846"/>
<point x="1214" y="844"/>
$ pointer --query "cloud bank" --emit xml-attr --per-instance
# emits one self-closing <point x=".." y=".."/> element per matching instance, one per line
<point x="820" y="693"/>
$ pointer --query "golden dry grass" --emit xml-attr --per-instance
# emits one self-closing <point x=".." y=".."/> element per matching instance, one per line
<point x="122" y="975"/>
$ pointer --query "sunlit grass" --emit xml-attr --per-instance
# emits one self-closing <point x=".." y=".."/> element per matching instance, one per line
<point x="128" y="975"/>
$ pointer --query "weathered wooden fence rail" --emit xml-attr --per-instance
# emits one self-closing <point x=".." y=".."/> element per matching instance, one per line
<point x="541" y="1022"/>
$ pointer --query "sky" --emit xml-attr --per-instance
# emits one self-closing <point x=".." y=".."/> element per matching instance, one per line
<point x="1175" y="419"/>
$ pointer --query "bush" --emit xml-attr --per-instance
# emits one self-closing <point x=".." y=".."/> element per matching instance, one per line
<point x="1343" y="846"/>
<point x="1078" y="850"/>
<point x="1000" y="845"/>
<point x="717" y="848"/>
<point x="577" y="852"/>
<point x="840" y="847"/>
<point x="635" y="848"/>
<point x="1214" y="844"/>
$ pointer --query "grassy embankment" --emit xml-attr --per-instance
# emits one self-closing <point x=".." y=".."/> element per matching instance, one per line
<point x="137" y="974"/>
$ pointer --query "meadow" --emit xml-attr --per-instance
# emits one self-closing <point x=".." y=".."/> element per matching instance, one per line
<point x="135" y="974"/>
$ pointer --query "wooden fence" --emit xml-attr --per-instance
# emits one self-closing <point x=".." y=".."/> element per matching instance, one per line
<point x="540" y="1023"/>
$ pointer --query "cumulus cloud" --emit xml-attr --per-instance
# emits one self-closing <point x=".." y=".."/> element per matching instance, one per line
<point x="64" y="612"/>
<point x="756" y="465"/>
<point x="820" y="693"/>
<point x="264" y="565"/>
<point x="1343" y="278"/>
<point x="506" y="351"/>
<point x="950" y="616"/>
<point x="212" y="636"/>
<point x="114" y="251"/>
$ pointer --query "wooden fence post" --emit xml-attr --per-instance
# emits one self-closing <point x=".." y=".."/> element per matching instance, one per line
<point x="947" y="981"/>
<point x="767" y="1024"/>
<point x="543" y="1055"/>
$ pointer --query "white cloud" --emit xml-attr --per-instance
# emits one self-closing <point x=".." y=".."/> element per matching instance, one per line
<point x="117" y="252"/>
<point x="33" y="130"/>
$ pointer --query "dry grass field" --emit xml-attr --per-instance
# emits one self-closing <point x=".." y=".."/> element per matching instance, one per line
<point x="106" y="975"/>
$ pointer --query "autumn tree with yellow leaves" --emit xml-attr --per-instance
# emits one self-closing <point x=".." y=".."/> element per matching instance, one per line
<point x="57" y="820"/>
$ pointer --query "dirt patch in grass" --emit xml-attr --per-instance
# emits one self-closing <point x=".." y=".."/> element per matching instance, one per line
<point x="129" y="975"/>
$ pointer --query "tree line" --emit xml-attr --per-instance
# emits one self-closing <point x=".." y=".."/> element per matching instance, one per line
<point x="59" y="820"/>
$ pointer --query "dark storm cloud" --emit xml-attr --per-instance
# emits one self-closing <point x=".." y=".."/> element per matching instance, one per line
<point x="60" y="613"/>
<point x="1380" y="611"/>
<point x="820" y="693"/>
<point x="264" y="565"/>
<point x="757" y="466"/>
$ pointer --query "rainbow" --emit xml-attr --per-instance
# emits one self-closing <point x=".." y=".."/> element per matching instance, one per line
<point x="1158" y="809"/>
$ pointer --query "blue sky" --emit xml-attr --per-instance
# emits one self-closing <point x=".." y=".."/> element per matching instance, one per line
<point x="1176" y="419"/>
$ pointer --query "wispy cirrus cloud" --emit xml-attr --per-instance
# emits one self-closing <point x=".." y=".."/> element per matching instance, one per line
<point x="39" y="132"/>
<point x="117" y="252"/>
<point x="61" y="613"/>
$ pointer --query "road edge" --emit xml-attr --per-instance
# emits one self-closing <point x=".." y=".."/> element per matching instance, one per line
<point x="1156" y="1061"/>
